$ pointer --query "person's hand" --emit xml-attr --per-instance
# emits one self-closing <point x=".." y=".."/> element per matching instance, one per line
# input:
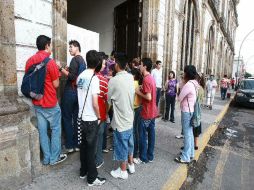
<point x="99" y="121"/>
<point x="58" y="63"/>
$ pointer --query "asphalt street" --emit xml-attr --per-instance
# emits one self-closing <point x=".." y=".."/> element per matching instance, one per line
<point x="227" y="162"/>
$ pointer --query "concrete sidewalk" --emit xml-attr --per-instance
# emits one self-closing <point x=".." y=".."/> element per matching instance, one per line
<point x="163" y="173"/>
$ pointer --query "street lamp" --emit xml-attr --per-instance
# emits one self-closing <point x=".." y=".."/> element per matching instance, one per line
<point x="240" y="51"/>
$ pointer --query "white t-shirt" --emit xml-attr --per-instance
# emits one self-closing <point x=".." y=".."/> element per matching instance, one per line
<point x="211" y="85"/>
<point x="82" y="86"/>
<point x="157" y="75"/>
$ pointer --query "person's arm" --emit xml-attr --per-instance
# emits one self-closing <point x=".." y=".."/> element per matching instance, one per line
<point x="147" y="96"/>
<point x="56" y="83"/>
<point x="184" y="92"/>
<point x="96" y="105"/>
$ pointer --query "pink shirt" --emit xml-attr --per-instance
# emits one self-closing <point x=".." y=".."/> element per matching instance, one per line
<point x="188" y="90"/>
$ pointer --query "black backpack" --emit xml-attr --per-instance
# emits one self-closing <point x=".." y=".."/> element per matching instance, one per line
<point x="34" y="79"/>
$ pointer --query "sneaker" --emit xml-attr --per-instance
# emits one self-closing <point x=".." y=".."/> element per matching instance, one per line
<point x="97" y="182"/>
<point x="99" y="165"/>
<point x="136" y="161"/>
<point x="179" y="136"/>
<point x="131" y="168"/>
<point x="179" y="160"/>
<point x="173" y="121"/>
<point x="62" y="158"/>
<point x="151" y="161"/>
<point x="105" y="150"/>
<point x="118" y="173"/>
<point x="76" y="149"/>
<point x="68" y="150"/>
<point x="82" y="176"/>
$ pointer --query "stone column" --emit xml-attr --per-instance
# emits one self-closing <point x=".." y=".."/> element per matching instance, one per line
<point x="150" y="27"/>
<point x="59" y="37"/>
<point x="18" y="139"/>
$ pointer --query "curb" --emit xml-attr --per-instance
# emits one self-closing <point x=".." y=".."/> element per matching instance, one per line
<point x="178" y="177"/>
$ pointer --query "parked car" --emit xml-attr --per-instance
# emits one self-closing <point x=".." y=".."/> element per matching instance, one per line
<point x="245" y="93"/>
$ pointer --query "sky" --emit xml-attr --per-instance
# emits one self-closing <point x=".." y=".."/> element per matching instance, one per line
<point x="245" y="19"/>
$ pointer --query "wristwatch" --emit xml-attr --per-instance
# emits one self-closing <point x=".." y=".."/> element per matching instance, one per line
<point x="60" y="69"/>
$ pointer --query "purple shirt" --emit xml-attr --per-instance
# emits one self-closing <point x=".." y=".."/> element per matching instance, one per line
<point x="172" y="87"/>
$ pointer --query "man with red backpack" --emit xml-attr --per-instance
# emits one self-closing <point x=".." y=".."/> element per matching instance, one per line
<point x="47" y="110"/>
<point x="69" y="102"/>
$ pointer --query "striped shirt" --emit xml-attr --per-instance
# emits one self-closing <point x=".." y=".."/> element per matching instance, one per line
<point x="103" y="96"/>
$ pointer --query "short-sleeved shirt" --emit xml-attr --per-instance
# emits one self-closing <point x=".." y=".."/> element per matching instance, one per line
<point x="103" y="96"/>
<point x="172" y="87"/>
<point x="157" y="75"/>
<point x="73" y="72"/>
<point x="224" y="83"/>
<point x="83" y="81"/>
<point x="121" y="93"/>
<point x="149" y="108"/>
<point x="49" y="98"/>
<point x="137" y="98"/>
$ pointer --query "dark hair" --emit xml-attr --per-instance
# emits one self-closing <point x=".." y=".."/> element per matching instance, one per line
<point x="148" y="63"/>
<point x="158" y="62"/>
<point x="42" y="41"/>
<point x="225" y="75"/>
<point x="121" y="60"/>
<point x="201" y="81"/>
<point x="190" y="72"/>
<point x="137" y="75"/>
<point x="113" y="53"/>
<point x="102" y="56"/>
<point x="75" y="43"/>
<point x="92" y="59"/>
<point x="174" y="75"/>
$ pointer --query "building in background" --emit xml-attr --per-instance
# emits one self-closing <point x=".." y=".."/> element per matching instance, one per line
<point x="177" y="32"/>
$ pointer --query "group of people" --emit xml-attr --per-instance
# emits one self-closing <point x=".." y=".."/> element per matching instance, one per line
<point x="103" y="89"/>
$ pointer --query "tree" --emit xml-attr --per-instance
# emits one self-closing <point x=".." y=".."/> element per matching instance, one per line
<point x="247" y="75"/>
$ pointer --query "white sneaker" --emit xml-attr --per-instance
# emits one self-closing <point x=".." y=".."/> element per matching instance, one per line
<point x="179" y="136"/>
<point x="118" y="173"/>
<point x="97" y="182"/>
<point x="131" y="168"/>
<point x="136" y="161"/>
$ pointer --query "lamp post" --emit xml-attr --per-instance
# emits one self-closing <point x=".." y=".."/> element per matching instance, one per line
<point x="240" y="52"/>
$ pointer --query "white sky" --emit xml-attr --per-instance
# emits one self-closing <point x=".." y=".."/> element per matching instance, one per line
<point x="245" y="18"/>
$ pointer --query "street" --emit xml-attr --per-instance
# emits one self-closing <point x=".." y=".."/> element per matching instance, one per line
<point x="227" y="162"/>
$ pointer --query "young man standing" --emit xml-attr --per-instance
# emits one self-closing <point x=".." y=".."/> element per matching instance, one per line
<point x="88" y="90"/>
<point x="47" y="109"/>
<point x="121" y="95"/>
<point x="148" y="113"/>
<point x="157" y="75"/>
<point x="70" y="97"/>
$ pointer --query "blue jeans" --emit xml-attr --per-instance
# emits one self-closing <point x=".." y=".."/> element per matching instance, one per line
<point x="123" y="145"/>
<point x="99" y="156"/>
<point x="146" y="130"/>
<point x="136" y="125"/>
<point x="223" y="92"/>
<point x="69" y="115"/>
<point x="51" y="148"/>
<point x="105" y="134"/>
<point x="188" y="150"/>
<point x="158" y="95"/>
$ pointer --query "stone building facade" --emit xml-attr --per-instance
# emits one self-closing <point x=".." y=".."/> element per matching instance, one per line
<point x="178" y="32"/>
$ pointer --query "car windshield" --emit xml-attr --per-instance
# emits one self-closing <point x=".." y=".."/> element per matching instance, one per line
<point x="247" y="84"/>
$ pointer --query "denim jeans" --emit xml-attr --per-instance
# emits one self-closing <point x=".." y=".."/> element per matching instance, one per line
<point x="69" y="115"/>
<point x="146" y="130"/>
<point x="170" y="105"/>
<point x="51" y="148"/>
<point x="89" y="133"/>
<point x="105" y="134"/>
<point x="136" y="125"/>
<point x="123" y="145"/>
<point x="158" y="95"/>
<point x="188" y="150"/>
<point x="99" y="156"/>
<point x="223" y="92"/>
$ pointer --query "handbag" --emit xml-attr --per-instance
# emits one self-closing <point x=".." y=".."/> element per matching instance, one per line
<point x="79" y="120"/>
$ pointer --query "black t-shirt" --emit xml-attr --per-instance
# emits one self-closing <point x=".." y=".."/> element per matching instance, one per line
<point x="73" y="72"/>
